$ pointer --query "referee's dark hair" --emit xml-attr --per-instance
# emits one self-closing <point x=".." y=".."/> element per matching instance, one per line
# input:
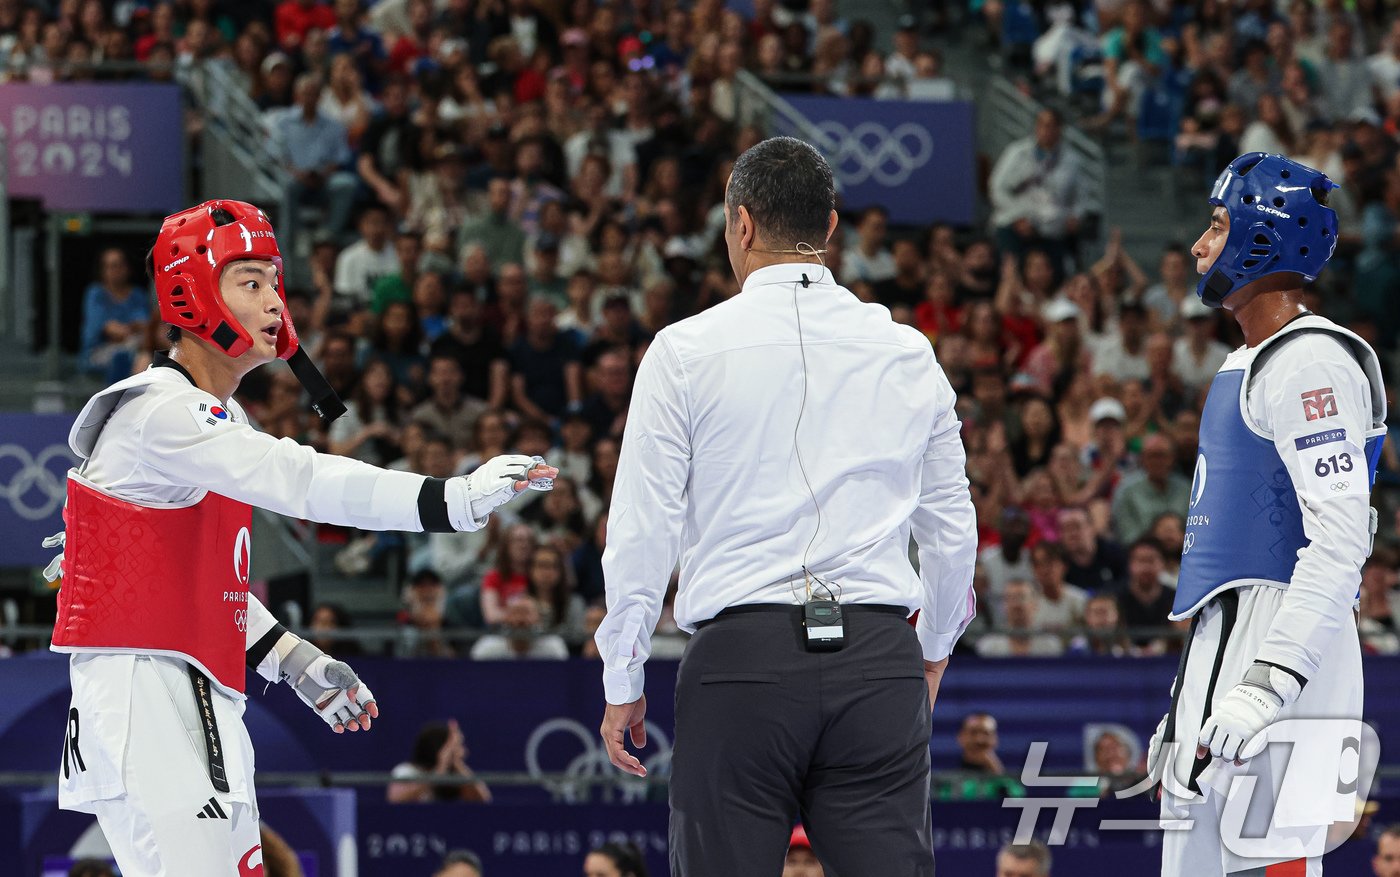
<point x="788" y="189"/>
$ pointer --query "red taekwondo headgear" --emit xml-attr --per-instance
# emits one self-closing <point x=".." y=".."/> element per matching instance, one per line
<point x="189" y="257"/>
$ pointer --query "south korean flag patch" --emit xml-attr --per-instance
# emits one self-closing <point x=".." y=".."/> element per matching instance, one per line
<point x="209" y="415"/>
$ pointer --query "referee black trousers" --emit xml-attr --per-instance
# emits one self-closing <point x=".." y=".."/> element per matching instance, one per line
<point x="767" y="732"/>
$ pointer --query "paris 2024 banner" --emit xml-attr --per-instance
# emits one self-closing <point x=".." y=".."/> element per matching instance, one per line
<point x="113" y="147"/>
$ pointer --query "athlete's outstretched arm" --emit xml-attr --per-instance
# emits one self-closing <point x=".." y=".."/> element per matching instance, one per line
<point x="235" y="460"/>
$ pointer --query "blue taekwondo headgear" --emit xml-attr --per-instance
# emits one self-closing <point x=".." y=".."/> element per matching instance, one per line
<point x="1277" y="223"/>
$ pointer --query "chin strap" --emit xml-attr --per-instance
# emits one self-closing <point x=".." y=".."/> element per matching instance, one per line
<point x="324" y="400"/>
<point x="1216" y="287"/>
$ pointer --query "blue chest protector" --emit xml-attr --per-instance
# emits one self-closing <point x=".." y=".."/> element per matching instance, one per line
<point x="1244" y="524"/>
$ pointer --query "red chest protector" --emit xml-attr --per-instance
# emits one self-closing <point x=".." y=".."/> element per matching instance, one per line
<point x="156" y="580"/>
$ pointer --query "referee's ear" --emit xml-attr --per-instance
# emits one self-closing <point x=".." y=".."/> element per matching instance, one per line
<point x="831" y="226"/>
<point x="747" y="228"/>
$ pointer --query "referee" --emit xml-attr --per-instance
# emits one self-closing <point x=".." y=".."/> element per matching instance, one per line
<point x="784" y="445"/>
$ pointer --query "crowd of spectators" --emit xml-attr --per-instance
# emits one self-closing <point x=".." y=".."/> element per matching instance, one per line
<point x="1318" y="82"/>
<point x="496" y="205"/>
<point x="1206" y="81"/>
<point x="615" y="858"/>
<point x="1113" y="754"/>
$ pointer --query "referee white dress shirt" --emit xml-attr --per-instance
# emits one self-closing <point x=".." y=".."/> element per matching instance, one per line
<point x="710" y="474"/>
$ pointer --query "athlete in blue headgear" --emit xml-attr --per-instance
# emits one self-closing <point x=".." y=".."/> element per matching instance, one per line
<point x="1278" y="527"/>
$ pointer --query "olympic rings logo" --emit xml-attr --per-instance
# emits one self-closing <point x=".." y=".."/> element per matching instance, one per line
<point x="590" y="761"/>
<point x="1339" y="486"/>
<point x="35" y="490"/>
<point x="1188" y="543"/>
<point x="870" y="150"/>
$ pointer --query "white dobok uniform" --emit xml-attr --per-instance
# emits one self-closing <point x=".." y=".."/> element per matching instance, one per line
<point x="135" y="750"/>
<point x="1310" y="395"/>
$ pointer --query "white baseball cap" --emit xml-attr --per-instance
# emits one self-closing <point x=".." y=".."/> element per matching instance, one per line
<point x="1107" y="408"/>
<point x="1192" y="307"/>
<point x="1060" y="309"/>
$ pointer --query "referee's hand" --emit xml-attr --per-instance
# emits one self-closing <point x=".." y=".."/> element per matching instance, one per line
<point x="933" y="677"/>
<point x="630" y="717"/>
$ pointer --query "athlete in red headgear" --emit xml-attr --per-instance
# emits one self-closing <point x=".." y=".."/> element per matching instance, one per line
<point x="154" y="604"/>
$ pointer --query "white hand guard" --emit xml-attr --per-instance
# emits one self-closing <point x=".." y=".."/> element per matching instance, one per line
<point x="1234" y="730"/>
<point x="325" y="685"/>
<point x="492" y="484"/>
<point x="1154" y="750"/>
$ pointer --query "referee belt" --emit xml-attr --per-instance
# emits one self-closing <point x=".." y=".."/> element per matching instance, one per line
<point x="795" y="609"/>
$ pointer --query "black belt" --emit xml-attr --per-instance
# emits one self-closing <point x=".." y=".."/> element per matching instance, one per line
<point x="1229" y="612"/>
<point x="796" y="610"/>
<point x="213" y="747"/>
